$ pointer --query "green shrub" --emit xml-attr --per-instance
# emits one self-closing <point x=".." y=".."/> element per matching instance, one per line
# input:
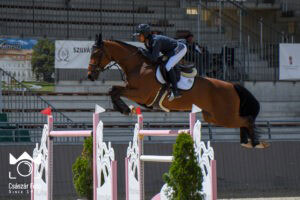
<point x="184" y="177"/>
<point x="83" y="171"/>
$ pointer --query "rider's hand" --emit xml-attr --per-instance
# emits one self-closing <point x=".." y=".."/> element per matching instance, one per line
<point x="142" y="51"/>
<point x="165" y="58"/>
<point x="162" y="59"/>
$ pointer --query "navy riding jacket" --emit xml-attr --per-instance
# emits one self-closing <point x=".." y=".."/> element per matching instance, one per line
<point x="157" y="44"/>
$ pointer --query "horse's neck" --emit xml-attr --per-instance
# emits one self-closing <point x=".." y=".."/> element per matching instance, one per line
<point x="127" y="59"/>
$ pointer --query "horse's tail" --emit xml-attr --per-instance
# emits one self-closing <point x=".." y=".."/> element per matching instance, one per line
<point x="249" y="105"/>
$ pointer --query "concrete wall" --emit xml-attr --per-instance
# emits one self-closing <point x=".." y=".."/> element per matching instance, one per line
<point x="278" y="100"/>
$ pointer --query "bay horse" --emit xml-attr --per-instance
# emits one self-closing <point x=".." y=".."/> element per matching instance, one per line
<point x="222" y="103"/>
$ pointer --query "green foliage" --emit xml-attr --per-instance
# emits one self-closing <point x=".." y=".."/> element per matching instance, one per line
<point x="184" y="177"/>
<point x="83" y="171"/>
<point x="42" y="60"/>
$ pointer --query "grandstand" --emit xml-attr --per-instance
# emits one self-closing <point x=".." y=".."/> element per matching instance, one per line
<point x="236" y="25"/>
<point x="241" y="39"/>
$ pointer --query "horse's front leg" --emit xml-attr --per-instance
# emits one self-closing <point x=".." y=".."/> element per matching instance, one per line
<point x="118" y="103"/>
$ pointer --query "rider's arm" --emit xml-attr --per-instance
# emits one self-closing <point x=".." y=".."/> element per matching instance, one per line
<point x="153" y="56"/>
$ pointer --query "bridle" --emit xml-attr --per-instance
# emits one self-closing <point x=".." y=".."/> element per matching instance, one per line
<point x="97" y="68"/>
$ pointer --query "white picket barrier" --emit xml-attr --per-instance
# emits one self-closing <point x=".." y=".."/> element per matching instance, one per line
<point x="103" y="162"/>
<point x="135" y="159"/>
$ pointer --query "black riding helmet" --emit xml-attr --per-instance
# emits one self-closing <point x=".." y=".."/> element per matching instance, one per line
<point x="143" y="29"/>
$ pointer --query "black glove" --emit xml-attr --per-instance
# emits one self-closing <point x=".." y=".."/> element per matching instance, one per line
<point x="165" y="58"/>
<point x="142" y="51"/>
<point x="160" y="60"/>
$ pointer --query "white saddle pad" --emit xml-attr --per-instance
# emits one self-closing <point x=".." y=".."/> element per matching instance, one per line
<point x="184" y="83"/>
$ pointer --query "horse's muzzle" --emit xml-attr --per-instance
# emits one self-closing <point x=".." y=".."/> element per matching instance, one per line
<point x="90" y="76"/>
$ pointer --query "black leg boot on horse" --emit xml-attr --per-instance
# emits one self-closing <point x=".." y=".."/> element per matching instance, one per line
<point x="244" y="135"/>
<point x="175" y="92"/>
<point x="249" y="138"/>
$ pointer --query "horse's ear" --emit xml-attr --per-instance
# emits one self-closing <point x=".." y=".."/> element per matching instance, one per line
<point x="99" y="41"/>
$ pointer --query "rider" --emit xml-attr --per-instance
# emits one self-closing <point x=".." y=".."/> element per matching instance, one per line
<point x="169" y="47"/>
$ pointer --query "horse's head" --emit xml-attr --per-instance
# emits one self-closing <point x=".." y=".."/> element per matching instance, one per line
<point x="98" y="59"/>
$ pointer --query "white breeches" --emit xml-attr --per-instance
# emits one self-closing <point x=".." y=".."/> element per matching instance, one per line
<point x="177" y="57"/>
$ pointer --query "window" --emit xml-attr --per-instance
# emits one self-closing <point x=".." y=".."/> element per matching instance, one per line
<point x="192" y="11"/>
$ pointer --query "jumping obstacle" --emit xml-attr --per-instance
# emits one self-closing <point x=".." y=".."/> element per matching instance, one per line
<point x="134" y="162"/>
<point x="104" y="163"/>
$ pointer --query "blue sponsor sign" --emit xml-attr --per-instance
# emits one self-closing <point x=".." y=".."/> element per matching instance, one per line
<point x="16" y="44"/>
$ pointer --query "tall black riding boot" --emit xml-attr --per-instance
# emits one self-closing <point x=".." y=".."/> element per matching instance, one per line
<point x="175" y="92"/>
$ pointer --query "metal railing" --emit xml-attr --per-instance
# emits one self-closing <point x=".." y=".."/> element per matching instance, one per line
<point x="22" y="105"/>
<point x="260" y="24"/>
<point x="238" y="53"/>
<point x="271" y="131"/>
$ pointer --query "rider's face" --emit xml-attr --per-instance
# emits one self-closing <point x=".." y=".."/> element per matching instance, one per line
<point x="141" y="37"/>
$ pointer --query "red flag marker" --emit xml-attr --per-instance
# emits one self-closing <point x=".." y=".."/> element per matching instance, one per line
<point x="46" y="111"/>
<point x="138" y="110"/>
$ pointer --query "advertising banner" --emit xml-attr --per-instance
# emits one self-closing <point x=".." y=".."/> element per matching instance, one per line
<point x="15" y="57"/>
<point x="72" y="54"/>
<point x="289" y="59"/>
<point x="76" y="54"/>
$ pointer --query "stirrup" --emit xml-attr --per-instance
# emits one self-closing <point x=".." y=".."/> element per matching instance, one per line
<point x="172" y="97"/>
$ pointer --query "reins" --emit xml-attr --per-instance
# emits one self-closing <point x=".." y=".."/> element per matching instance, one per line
<point x="114" y="63"/>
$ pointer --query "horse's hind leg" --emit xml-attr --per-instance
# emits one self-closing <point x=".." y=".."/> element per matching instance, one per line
<point x="251" y="132"/>
<point x="248" y="137"/>
<point x="244" y="135"/>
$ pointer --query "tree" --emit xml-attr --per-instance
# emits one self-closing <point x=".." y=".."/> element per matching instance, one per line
<point x="42" y="60"/>
<point x="185" y="176"/>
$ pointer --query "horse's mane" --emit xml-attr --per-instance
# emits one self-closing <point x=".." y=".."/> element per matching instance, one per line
<point x="125" y="44"/>
<point x="134" y="47"/>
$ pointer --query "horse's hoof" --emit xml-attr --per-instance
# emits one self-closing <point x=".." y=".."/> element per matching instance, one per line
<point x="132" y="110"/>
<point x="127" y="113"/>
<point x="262" y="145"/>
<point x="247" y="145"/>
